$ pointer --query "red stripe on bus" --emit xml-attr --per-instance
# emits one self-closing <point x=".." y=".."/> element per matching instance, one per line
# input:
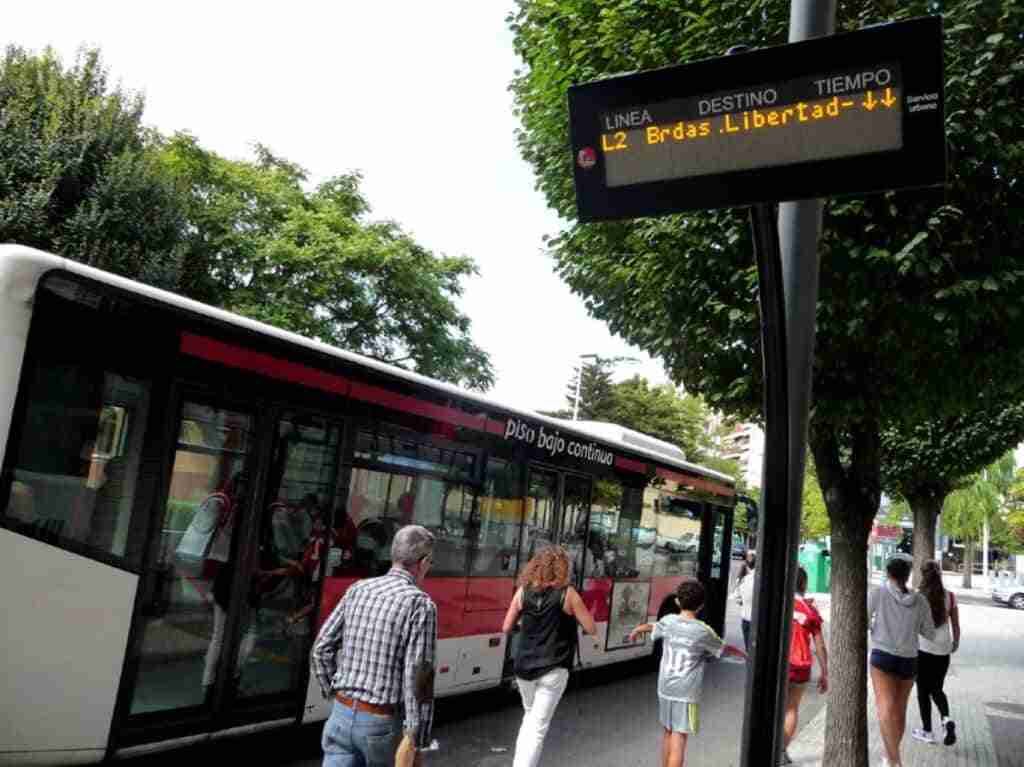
<point x="629" y="464"/>
<point x="379" y="396"/>
<point x="274" y="367"/>
<point x="293" y="372"/>
<point x="264" y="364"/>
<point x="695" y="482"/>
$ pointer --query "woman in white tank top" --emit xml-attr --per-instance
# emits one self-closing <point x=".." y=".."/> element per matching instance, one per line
<point x="933" y="654"/>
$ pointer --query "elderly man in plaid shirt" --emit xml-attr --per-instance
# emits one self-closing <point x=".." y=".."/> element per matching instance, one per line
<point x="375" y="654"/>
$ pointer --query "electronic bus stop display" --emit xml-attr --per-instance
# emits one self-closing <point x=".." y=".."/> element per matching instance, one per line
<point x="850" y="113"/>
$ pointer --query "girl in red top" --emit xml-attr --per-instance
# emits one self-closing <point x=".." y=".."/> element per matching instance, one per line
<point x="807" y="625"/>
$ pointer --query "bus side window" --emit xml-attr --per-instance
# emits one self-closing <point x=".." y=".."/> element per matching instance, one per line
<point x="76" y="461"/>
<point x="402" y="478"/>
<point x="365" y="531"/>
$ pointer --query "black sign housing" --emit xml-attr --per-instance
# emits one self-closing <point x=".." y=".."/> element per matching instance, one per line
<point x="846" y="114"/>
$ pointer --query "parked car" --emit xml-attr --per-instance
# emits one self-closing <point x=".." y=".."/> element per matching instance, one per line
<point x="645" y="536"/>
<point x="739" y="549"/>
<point x="687" y="542"/>
<point x="1008" y="590"/>
<point x="664" y="542"/>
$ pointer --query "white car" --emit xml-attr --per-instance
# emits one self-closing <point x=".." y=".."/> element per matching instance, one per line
<point x="1009" y="591"/>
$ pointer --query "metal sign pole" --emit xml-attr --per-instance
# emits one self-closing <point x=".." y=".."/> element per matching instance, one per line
<point x="794" y="248"/>
<point x="767" y="667"/>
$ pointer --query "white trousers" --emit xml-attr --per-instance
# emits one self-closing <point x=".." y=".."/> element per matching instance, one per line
<point x="540" y="699"/>
<point x="213" y="650"/>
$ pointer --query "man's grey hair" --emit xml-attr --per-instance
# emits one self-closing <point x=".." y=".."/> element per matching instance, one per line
<point x="411" y="544"/>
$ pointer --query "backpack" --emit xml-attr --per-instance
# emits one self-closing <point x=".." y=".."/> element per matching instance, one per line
<point x="806" y="624"/>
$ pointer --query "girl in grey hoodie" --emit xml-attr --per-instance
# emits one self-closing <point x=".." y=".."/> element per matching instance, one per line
<point x="896" y="616"/>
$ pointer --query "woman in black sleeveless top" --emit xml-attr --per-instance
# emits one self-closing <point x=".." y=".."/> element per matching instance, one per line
<point x="547" y="609"/>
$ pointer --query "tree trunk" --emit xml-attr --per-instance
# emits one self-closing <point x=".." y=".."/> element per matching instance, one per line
<point x="852" y="492"/>
<point x="926" y="507"/>
<point x="846" y="736"/>
<point x="968" y="563"/>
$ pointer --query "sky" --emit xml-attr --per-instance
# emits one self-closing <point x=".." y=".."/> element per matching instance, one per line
<point x="414" y="95"/>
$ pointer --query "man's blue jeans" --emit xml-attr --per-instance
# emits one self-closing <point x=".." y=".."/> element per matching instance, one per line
<point x="359" y="739"/>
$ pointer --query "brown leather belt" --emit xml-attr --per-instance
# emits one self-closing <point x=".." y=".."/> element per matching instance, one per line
<point x="358" y="705"/>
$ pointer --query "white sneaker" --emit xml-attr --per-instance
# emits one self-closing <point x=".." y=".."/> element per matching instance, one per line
<point x="924" y="736"/>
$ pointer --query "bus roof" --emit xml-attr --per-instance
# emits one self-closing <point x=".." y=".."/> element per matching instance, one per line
<point x="22" y="267"/>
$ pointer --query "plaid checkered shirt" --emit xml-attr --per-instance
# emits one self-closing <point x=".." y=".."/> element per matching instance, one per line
<point x="379" y="646"/>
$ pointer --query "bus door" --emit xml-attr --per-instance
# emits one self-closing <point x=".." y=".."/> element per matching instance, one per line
<point x="718" y="564"/>
<point x="224" y="621"/>
<point x="265" y="667"/>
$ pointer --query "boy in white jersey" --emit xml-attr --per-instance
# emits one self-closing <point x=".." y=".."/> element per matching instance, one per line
<point x="687" y="644"/>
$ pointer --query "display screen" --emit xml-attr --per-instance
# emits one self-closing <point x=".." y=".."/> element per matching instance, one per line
<point x="819" y="117"/>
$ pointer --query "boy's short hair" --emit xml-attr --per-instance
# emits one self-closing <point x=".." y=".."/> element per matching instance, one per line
<point x="801" y="580"/>
<point x="690" y="594"/>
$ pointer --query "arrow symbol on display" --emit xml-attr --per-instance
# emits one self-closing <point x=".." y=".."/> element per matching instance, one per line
<point x="888" y="100"/>
<point x="869" y="102"/>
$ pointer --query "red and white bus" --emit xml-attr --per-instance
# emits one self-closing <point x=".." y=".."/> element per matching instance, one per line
<point x="185" y="495"/>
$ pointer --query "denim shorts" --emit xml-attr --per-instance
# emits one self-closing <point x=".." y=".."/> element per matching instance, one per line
<point x="904" y="668"/>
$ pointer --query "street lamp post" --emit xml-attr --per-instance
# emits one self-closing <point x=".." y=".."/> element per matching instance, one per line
<point x="579" y="380"/>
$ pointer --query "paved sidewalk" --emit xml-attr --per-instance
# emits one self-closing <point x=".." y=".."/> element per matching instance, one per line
<point x="985" y="687"/>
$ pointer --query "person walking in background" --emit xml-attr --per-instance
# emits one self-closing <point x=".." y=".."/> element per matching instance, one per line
<point x="933" y="655"/>
<point x="547" y="610"/>
<point x="807" y="625"/>
<point x="896" y="617"/>
<point x="688" y="643"/>
<point x="376" y="653"/>
<point x="745" y="596"/>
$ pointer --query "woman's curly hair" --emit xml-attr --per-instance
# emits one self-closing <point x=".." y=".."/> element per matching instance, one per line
<point x="549" y="569"/>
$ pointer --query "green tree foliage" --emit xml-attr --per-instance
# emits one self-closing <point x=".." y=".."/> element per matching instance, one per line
<point x="919" y="303"/>
<point x="260" y="244"/>
<point x="982" y="499"/>
<point x="924" y="462"/>
<point x="1015" y="513"/>
<point x="814" y="521"/>
<point x="658" y="411"/>
<point x="78" y="174"/>
<point x="595" y="390"/>
<point x="661" y="412"/>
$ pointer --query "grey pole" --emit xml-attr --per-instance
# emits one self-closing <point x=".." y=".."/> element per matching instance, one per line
<point x="799" y="232"/>
<point x="800" y="226"/>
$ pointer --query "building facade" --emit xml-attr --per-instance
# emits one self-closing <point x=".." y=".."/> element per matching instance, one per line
<point x="745" y="445"/>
